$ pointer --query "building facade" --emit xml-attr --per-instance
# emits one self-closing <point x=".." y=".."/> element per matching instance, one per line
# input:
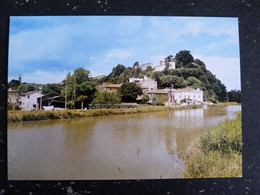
<point x="186" y="95"/>
<point x="28" y="101"/>
<point x="144" y="66"/>
<point x="148" y="82"/>
<point x="162" y="65"/>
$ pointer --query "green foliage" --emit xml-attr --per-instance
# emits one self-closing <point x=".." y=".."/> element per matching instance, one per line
<point x="85" y="88"/>
<point x="193" y="82"/>
<point x="13" y="84"/>
<point x="145" y="99"/>
<point x="49" y="88"/>
<point x="129" y="92"/>
<point x="12" y="106"/>
<point x="184" y="59"/>
<point x="217" y="153"/>
<point x="82" y="75"/>
<point x="119" y="69"/>
<point x="234" y="96"/>
<point x="107" y="98"/>
<point x="161" y="99"/>
<point x="24" y="88"/>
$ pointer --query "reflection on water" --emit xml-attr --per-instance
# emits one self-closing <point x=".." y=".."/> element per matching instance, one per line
<point x="137" y="146"/>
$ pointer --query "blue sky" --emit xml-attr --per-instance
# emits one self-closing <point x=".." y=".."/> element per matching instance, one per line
<point x="42" y="48"/>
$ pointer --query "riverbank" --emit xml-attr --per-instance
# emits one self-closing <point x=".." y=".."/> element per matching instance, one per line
<point x="223" y="104"/>
<point x="217" y="152"/>
<point x="36" y="115"/>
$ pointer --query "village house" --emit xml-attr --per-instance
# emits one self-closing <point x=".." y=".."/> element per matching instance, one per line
<point x="28" y="101"/>
<point x="177" y="96"/>
<point x="162" y="65"/>
<point x="186" y="95"/>
<point x="110" y="87"/>
<point x="144" y="66"/>
<point x="149" y="83"/>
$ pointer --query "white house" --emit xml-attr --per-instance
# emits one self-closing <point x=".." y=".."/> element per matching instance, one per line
<point x="148" y="82"/>
<point x="188" y="95"/>
<point x="144" y="66"/>
<point x="28" y="101"/>
<point x="162" y="65"/>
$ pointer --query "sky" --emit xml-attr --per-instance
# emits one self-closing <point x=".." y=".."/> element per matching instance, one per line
<point x="42" y="48"/>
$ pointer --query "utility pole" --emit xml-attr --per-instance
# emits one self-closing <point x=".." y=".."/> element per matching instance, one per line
<point x="66" y="92"/>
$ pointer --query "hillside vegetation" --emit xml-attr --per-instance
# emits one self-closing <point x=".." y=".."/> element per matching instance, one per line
<point x="187" y="73"/>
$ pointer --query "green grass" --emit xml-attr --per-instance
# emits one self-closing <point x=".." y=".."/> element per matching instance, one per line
<point x="223" y="104"/>
<point x="19" y="116"/>
<point x="217" y="153"/>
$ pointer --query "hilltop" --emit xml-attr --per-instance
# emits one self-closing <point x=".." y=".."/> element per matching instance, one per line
<point x="178" y="72"/>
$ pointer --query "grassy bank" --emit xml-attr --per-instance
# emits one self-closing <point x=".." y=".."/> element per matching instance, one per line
<point x="223" y="104"/>
<point x="217" y="153"/>
<point x="19" y="116"/>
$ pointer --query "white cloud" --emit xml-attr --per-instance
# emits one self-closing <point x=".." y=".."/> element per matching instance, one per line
<point x="44" y="77"/>
<point x="227" y="70"/>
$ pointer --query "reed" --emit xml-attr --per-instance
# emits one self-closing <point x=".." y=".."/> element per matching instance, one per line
<point x="217" y="152"/>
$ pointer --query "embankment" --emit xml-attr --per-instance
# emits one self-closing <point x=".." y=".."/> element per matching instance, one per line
<point x="19" y="116"/>
<point x="223" y="104"/>
<point x="217" y="152"/>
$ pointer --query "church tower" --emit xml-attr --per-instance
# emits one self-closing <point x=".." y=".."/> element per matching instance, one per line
<point x="20" y="78"/>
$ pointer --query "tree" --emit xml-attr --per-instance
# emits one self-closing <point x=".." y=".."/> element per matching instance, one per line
<point x="14" y="84"/>
<point x="157" y="77"/>
<point x="145" y="99"/>
<point x="234" y="96"/>
<point x="118" y="69"/>
<point x="184" y="59"/>
<point x="82" y="75"/>
<point x="85" y="87"/>
<point x="106" y="98"/>
<point x="129" y="92"/>
<point x="24" y="88"/>
<point x="53" y="87"/>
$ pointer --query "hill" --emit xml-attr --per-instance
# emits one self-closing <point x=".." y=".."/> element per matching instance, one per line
<point x="187" y="73"/>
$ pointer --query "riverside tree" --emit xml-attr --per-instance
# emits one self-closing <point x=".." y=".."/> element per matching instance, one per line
<point x="129" y="92"/>
<point x="79" y="87"/>
<point x="234" y="96"/>
<point x="104" y="97"/>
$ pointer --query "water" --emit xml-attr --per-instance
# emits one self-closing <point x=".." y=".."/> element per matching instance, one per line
<point x="136" y="146"/>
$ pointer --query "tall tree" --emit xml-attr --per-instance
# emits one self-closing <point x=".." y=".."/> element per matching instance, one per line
<point x="184" y="59"/>
<point x="129" y="92"/>
<point x="24" y="88"/>
<point x="52" y="87"/>
<point x="107" y="98"/>
<point x="14" y="84"/>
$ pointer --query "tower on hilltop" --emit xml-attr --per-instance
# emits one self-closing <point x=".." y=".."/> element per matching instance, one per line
<point x="20" y="78"/>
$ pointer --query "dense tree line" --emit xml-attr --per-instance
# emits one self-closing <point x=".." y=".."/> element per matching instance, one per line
<point x="234" y="96"/>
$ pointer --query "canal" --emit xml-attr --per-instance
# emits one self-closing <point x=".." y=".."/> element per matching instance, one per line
<point x="134" y="146"/>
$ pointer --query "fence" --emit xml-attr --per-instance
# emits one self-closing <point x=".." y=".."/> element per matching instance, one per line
<point x="114" y="106"/>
